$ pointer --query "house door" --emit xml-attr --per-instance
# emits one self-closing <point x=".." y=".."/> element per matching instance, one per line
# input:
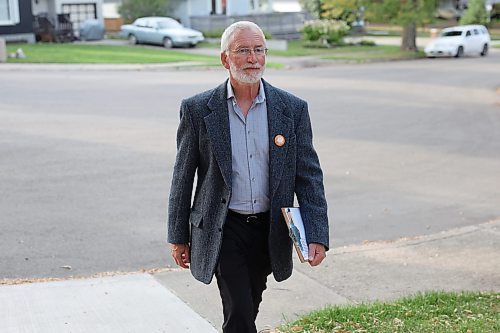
<point x="79" y="12"/>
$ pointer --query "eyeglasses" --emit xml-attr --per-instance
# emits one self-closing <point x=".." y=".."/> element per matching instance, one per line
<point x="245" y="51"/>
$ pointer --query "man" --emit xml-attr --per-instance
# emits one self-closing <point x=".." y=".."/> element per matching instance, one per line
<point x="250" y="145"/>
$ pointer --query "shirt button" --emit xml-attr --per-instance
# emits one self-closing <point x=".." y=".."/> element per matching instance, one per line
<point x="250" y="155"/>
<point x="253" y="179"/>
<point x="223" y="200"/>
<point x="255" y="201"/>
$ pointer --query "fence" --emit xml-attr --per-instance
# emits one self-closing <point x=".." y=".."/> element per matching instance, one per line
<point x="279" y="25"/>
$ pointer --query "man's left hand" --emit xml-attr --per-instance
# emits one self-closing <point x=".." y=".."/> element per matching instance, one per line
<point x="317" y="253"/>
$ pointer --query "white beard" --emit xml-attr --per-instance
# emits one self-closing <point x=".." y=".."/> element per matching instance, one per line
<point x="242" y="77"/>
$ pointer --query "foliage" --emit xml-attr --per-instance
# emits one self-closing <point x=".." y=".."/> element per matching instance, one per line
<point x="407" y="13"/>
<point x="345" y="10"/>
<point x="133" y="9"/>
<point x="312" y="6"/>
<point x="325" y="31"/>
<point x="438" y="312"/>
<point x="402" y="12"/>
<point x="475" y="13"/>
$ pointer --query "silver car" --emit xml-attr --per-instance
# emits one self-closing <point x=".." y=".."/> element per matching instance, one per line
<point x="162" y="31"/>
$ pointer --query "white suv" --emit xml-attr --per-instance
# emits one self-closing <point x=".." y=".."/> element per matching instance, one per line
<point x="460" y="40"/>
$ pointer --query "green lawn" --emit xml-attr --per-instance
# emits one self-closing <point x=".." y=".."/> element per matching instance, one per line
<point x="371" y="53"/>
<point x="49" y="53"/>
<point x="355" y="53"/>
<point x="102" y="54"/>
<point x="436" y="312"/>
<point x="108" y="54"/>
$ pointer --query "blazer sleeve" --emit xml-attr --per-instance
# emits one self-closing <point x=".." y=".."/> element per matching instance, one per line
<point x="309" y="183"/>
<point x="186" y="163"/>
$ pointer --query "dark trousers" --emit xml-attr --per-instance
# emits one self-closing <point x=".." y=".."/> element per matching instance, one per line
<point x="242" y="271"/>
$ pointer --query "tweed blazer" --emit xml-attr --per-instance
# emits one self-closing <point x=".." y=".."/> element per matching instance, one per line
<point x="204" y="150"/>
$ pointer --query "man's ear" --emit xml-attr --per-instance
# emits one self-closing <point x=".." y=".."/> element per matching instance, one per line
<point x="224" y="60"/>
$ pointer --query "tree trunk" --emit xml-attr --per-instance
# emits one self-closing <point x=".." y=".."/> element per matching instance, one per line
<point x="409" y="42"/>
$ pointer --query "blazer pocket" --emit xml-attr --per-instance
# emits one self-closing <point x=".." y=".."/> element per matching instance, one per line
<point x="196" y="218"/>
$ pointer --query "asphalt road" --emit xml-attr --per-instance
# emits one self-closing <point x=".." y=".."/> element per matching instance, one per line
<point x="408" y="148"/>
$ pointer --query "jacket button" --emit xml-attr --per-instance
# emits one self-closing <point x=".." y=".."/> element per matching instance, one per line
<point x="223" y="200"/>
<point x="220" y="229"/>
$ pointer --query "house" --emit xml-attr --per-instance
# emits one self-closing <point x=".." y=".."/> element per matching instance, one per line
<point x="184" y="9"/>
<point x="16" y="21"/>
<point x="76" y="10"/>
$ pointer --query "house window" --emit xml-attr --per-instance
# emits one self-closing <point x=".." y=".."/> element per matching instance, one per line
<point x="9" y="12"/>
<point x="80" y="12"/>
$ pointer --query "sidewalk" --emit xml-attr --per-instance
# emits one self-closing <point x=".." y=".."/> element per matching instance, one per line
<point x="459" y="259"/>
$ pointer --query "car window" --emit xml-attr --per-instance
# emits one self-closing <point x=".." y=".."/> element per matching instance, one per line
<point x="139" y="22"/>
<point x="451" y="33"/>
<point x="169" y="24"/>
<point x="468" y="33"/>
<point x="476" y="32"/>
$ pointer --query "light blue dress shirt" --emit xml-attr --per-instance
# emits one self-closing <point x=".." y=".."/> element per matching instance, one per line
<point x="250" y="155"/>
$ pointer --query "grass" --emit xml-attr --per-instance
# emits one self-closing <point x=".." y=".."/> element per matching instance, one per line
<point x="354" y="53"/>
<point x="101" y="54"/>
<point x="436" y="312"/>
<point x="371" y="53"/>
<point x="48" y="53"/>
<point x="111" y="54"/>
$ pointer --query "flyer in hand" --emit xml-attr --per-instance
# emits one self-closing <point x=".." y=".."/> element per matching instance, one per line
<point x="296" y="230"/>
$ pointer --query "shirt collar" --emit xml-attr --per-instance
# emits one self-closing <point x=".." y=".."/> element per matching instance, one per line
<point x="260" y="98"/>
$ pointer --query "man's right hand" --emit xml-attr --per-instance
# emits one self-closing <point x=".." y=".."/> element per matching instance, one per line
<point x="180" y="253"/>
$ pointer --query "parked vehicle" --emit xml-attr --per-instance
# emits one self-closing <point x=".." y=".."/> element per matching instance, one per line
<point x="92" y="30"/>
<point x="162" y="31"/>
<point x="459" y="41"/>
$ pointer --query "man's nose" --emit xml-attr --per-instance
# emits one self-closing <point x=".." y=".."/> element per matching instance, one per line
<point x="252" y="57"/>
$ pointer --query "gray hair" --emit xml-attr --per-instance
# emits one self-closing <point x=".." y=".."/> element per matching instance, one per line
<point x="237" y="26"/>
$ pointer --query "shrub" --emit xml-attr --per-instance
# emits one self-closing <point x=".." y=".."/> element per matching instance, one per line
<point x="475" y="13"/>
<point x="325" y="31"/>
<point x="367" y="43"/>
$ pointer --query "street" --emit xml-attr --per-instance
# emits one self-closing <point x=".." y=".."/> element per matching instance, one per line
<point x="407" y="149"/>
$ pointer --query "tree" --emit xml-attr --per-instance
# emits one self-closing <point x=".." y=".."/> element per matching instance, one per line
<point x="475" y="13"/>
<point x="312" y="6"/>
<point x="407" y="13"/>
<point x="345" y="10"/>
<point x="132" y="9"/>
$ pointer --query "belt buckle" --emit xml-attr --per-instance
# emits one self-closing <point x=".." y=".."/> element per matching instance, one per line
<point x="252" y="218"/>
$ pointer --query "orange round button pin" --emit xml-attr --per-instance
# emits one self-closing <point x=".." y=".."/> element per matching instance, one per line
<point x="279" y="140"/>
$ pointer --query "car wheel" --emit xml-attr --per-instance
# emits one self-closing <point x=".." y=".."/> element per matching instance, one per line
<point x="167" y="43"/>
<point x="460" y="52"/>
<point x="485" y="50"/>
<point x="132" y="40"/>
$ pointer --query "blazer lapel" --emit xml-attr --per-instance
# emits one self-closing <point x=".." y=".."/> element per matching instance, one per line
<point x="279" y="124"/>
<point x="217" y="123"/>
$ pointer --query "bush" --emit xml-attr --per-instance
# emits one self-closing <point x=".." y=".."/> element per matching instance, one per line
<point x="325" y="31"/>
<point x="367" y="43"/>
<point x="475" y="13"/>
<point x="133" y="9"/>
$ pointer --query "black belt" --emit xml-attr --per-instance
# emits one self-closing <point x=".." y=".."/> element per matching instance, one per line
<point x="251" y="218"/>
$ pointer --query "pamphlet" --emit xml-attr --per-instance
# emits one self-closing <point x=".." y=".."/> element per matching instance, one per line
<point x="297" y="232"/>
